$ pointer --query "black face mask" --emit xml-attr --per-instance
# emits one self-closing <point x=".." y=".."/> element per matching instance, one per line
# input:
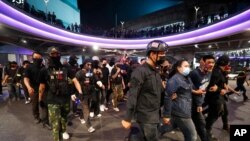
<point x="104" y="65"/>
<point x="55" y="62"/>
<point x="37" y="62"/>
<point x="161" y="60"/>
<point x="73" y="62"/>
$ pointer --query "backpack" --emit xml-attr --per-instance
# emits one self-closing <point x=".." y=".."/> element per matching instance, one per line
<point x="58" y="82"/>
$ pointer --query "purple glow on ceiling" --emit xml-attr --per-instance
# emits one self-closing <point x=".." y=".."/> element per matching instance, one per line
<point x="19" y="20"/>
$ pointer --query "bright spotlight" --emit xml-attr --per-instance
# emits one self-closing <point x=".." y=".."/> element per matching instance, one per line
<point x="96" y="47"/>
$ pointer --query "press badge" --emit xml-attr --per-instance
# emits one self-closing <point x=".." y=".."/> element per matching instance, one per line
<point x="52" y="77"/>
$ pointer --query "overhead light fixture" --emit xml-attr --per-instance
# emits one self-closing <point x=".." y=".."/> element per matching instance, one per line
<point x="196" y="46"/>
<point x="83" y="49"/>
<point x="210" y="46"/>
<point x="249" y="41"/>
<point x="24" y="41"/>
<point x="96" y="47"/>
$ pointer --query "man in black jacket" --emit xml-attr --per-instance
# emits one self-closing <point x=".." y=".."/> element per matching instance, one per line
<point x="216" y="99"/>
<point x="145" y="93"/>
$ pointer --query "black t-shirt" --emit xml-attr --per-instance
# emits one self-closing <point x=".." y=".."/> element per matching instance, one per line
<point x="241" y="79"/>
<point x="12" y="75"/>
<point x="105" y="73"/>
<point x="118" y="79"/>
<point x="33" y="73"/>
<point x="45" y="78"/>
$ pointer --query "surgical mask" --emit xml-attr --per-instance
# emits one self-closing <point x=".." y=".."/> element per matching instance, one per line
<point x="186" y="71"/>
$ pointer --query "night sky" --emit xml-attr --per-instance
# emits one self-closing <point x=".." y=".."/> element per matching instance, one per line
<point x="101" y="13"/>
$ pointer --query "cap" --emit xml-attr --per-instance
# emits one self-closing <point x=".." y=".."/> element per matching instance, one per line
<point x="53" y="50"/>
<point x="73" y="57"/>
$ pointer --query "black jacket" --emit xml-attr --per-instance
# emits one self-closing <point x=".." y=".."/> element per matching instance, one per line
<point x="144" y="95"/>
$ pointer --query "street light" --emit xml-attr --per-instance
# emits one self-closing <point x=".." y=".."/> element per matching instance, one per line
<point x="46" y="4"/>
<point x="196" y="12"/>
<point x="122" y="23"/>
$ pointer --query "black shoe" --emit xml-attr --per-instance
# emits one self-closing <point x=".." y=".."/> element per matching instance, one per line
<point x="37" y="121"/>
<point x="226" y="127"/>
<point x="245" y="98"/>
<point x="47" y="126"/>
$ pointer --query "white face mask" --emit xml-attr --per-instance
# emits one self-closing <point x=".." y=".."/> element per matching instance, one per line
<point x="186" y="71"/>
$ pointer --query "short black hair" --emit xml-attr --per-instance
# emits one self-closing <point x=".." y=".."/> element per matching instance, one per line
<point x="37" y="52"/>
<point x="223" y="60"/>
<point x="206" y="57"/>
<point x="26" y="62"/>
<point x="102" y="59"/>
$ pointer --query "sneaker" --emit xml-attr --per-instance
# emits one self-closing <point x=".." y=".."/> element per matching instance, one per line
<point x="116" y="109"/>
<point x="37" y="120"/>
<point x="65" y="136"/>
<point x="91" y="129"/>
<point x="47" y="126"/>
<point x="91" y="114"/>
<point x="105" y="108"/>
<point x="27" y="102"/>
<point x="245" y="98"/>
<point x="82" y="121"/>
<point x="99" y="115"/>
<point x="101" y="108"/>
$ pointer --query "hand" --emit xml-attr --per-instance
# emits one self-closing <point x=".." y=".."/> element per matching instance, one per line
<point x="118" y="70"/>
<point x="31" y="91"/>
<point x="73" y="97"/>
<point x="223" y="92"/>
<point x="201" y="92"/>
<point x="166" y="120"/>
<point x="126" y="124"/>
<point x="18" y="84"/>
<point x="199" y="109"/>
<point x="213" y="88"/>
<point x="174" y="96"/>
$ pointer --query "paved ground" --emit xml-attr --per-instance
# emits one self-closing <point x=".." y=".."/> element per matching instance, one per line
<point x="16" y="123"/>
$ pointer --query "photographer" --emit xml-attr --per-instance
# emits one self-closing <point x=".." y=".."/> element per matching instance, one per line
<point x="85" y="77"/>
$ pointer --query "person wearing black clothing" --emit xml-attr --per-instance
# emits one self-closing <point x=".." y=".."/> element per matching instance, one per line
<point x="20" y="80"/>
<point x="87" y="81"/>
<point x="241" y="79"/>
<point x="31" y="77"/>
<point x="145" y="91"/>
<point x="106" y="83"/>
<point x="215" y="95"/>
<point x="200" y="78"/>
<point x="11" y="79"/>
<point x="56" y="79"/>
<point x="73" y="66"/>
<point x="1" y="77"/>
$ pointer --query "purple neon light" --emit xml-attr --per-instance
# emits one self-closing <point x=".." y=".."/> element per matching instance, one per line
<point x="28" y="20"/>
<point x="45" y="34"/>
<point x="180" y="39"/>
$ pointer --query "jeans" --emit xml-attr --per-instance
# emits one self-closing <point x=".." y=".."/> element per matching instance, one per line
<point x="200" y="125"/>
<point x="186" y="126"/>
<point x="149" y="131"/>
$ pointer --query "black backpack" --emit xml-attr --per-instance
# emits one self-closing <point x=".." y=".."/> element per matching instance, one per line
<point x="58" y="81"/>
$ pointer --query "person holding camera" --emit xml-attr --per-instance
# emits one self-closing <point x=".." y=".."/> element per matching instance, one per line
<point x="85" y="77"/>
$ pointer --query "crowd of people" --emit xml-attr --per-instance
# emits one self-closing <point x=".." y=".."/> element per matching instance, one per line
<point x="157" y="91"/>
